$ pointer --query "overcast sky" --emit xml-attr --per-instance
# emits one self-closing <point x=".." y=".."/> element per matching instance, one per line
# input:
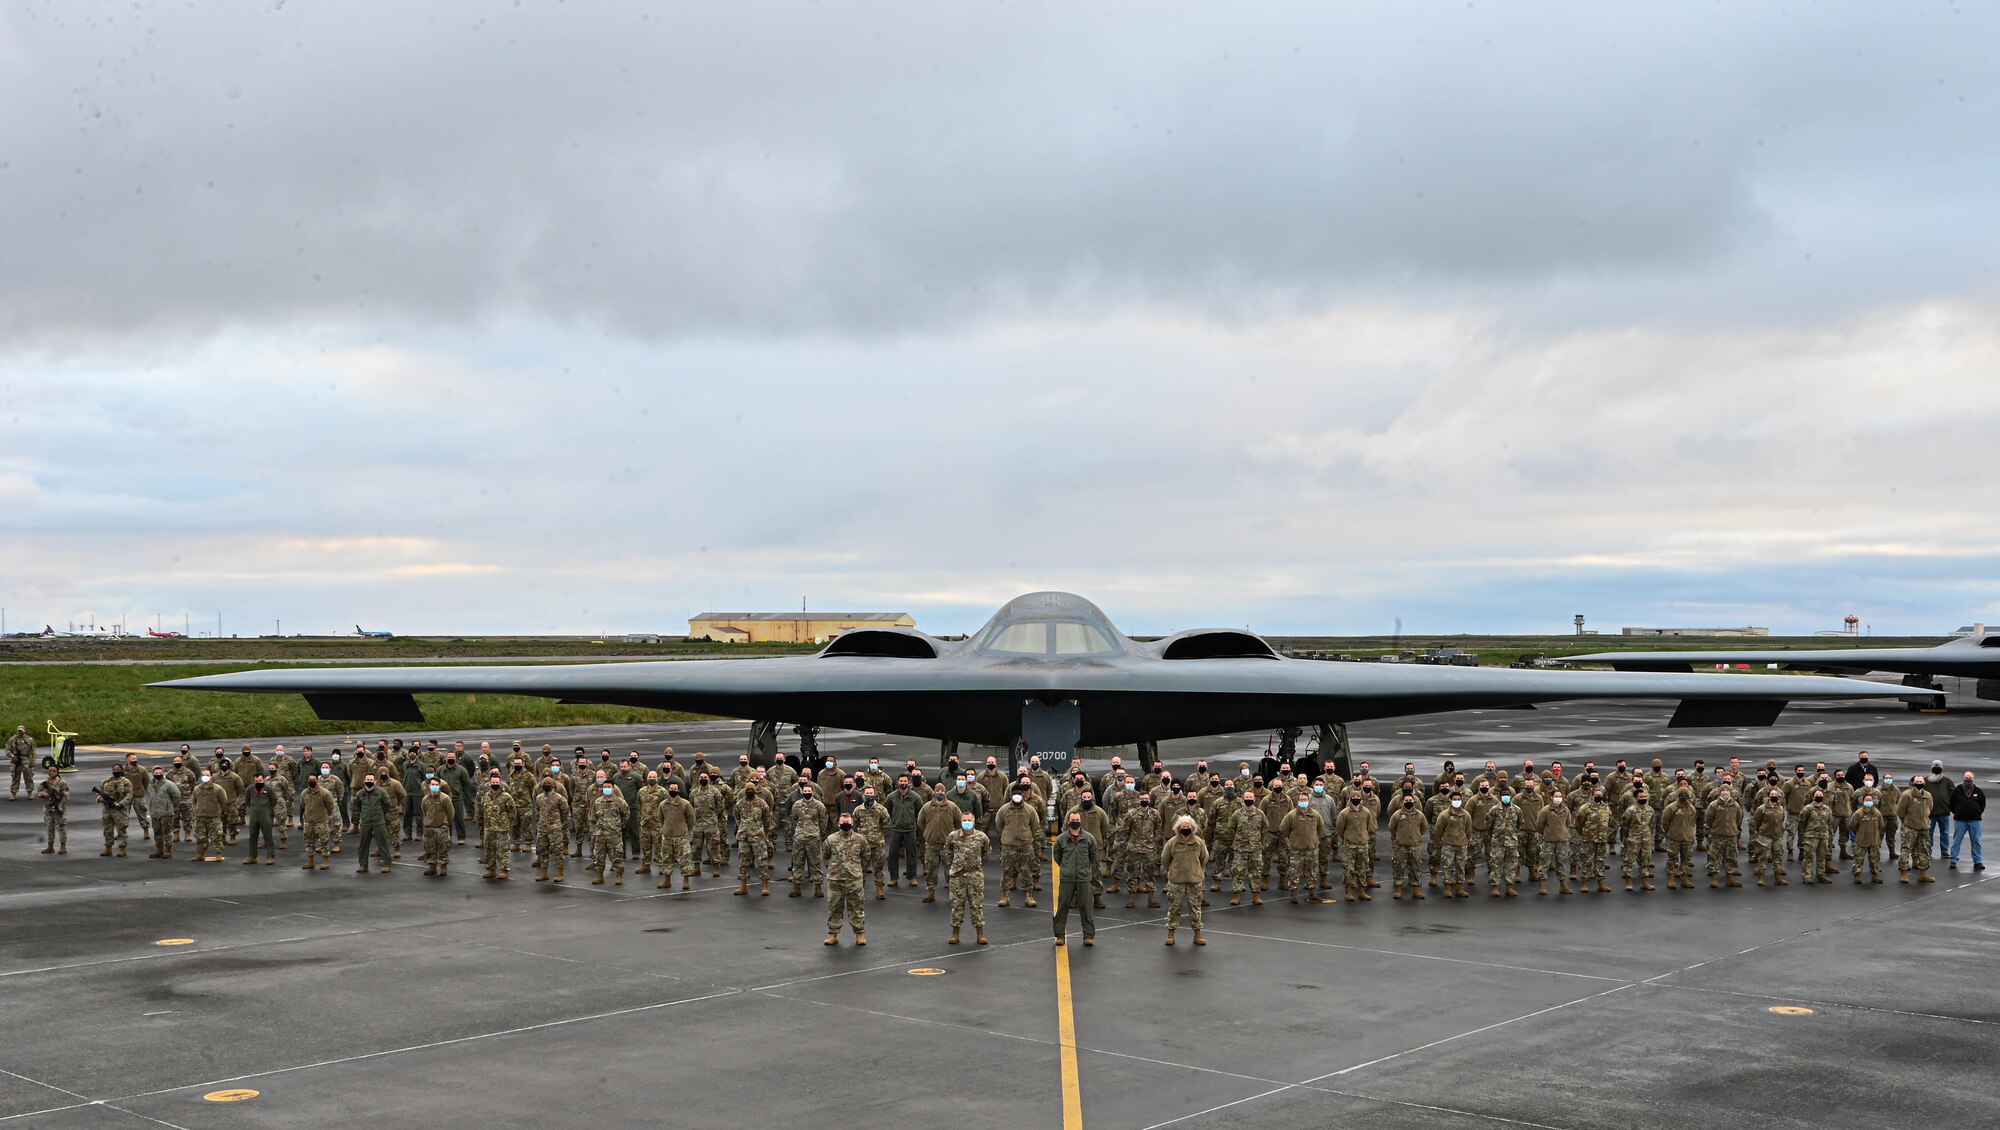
<point x="462" y="317"/>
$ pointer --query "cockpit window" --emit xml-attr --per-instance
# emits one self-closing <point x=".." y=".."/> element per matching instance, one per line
<point x="1049" y="637"/>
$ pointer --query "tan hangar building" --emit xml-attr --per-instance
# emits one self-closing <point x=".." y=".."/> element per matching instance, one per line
<point x="789" y="627"/>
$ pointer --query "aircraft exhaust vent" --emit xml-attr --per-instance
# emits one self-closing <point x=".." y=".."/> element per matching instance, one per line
<point x="881" y="644"/>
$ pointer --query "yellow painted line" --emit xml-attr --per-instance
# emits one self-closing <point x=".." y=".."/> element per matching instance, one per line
<point x="126" y="749"/>
<point x="1791" y="1010"/>
<point x="174" y="942"/>
<point x="1065" y="1020"/>
<point x="927" y="972"/>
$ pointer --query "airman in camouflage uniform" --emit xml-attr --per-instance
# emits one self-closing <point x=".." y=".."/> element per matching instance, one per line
<point x="809" y="824"/>
<point x="1554" y="828"/>
<point x="756" y="832"/>
<point x="1139" y="832"/>
<point x="21" y="753"/>
<point x="1681" y="820"/>
<point x="1503" y="852"/>
<point x="115" y="797"/>
<point x="1817" y="826"/>
<point x="1407" y="826"/>
<point x="1724" y="820"/>
<point x="551" y="832"/>
<point x="1916" y="817"/>
<point x="1020" y="825"/>
<point x="608" y="811"/>
<point x="966" y="879"/>
<point x="843" y="852"/>
<point x="436" y="808"/>
<point x="1637" y="824"/>
<point x="1866" y="824"/>
<point x="53" y="792"/>
<point x="1769" y="829"/>
<point x="319" y="815"/>
<point x="1184" y="861"/>
<point x="1246" y="852"/>
<point x="651" y="794"/>
<point x="497" y="817"/>
<point x="1452" y="833"/>
<point x="871" y="822"/>
<point x="1355" y="829"/>
<point x="711" y="821"/>
<point x="1593" y="839"/>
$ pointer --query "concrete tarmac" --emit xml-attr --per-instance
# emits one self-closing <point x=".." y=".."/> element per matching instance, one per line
<point x="460" y="1002"/>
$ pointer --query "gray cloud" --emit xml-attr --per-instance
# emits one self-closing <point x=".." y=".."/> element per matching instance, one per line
<point x="702" y="170"/>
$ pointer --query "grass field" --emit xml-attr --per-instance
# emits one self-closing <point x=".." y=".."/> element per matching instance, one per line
<point x="109" y="705"/>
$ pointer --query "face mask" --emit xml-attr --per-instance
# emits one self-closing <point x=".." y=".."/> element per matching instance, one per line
<point x="609" y="791"/>
<point x="1017" y="798"/>
<point x="1186" y="831"/>
<point x="1409" y="804"/>
<point x="1305" y="804"/>
<point x="1088" y="803"/>
<point x="1458" y="804"/>
<point x="1319" y="790"/>
<point x="1230" y="791"/>
<point x="846" y="827"/>
<point x="1145" y="802"/>
<point x="1075" y="828"/>
<point x="965" y="824"/>
<point x="1244" y="772"/>
<point x="440" y="788"/>
<point x="369" y="788"/>
<point x="1131" y="785"/>
<point x="1506" y="800"/>
<point x="204" y="778"/>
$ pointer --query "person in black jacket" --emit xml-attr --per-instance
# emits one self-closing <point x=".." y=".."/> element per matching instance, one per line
<point x="1968" y="805"/>
<point x="1861" y="770"/>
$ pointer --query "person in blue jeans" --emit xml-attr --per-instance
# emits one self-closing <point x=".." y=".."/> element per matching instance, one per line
<point x="1940" y="789"/>
<point x="1968" y="807"/>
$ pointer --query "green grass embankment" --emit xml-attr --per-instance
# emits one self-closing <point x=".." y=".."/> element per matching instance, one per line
<point x="110" y="705"/>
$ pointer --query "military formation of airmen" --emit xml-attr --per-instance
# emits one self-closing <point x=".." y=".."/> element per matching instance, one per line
<point x="1146" y="834"/>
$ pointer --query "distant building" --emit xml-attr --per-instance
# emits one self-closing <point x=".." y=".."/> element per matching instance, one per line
<point x="1744" y="631"/>
<point x="642" y="637"/>
<point x="789" y="627"/>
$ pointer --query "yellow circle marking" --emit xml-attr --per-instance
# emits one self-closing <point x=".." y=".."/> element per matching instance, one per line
<point x="231" y="1096"/>
<point x="174" y="942"/>
<point x="1790" y="1010"/>
<point x="927" y="972"/>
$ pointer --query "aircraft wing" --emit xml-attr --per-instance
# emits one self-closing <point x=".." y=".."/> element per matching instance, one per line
<point x="1973" y="658"/>
<point x="1121" y="699"/>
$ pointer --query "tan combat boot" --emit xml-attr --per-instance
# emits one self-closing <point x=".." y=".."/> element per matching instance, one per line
<point x="1493" y="891"/>
<point x="1256" y="899"/>
<point x="1732" y="881"/>
<point x="430" y="869"/>
<point x="1416" y="892"/>
<point x="819" y="889"/>
<point x="1170" y="937"/>
<point x="645" y="868"/>
<point x="1295" y="899"/>
<point x="1510" y="891"/>
<point x="1237" y="899"/>
<point x="308" y="865"/>
<point x="503" y="874"/>
<point x="1030" y="898"/>
<point x="1006" y="895"/>
<point x="953" y="940"/>
<point x="879" y="894"/>
<point x="1201" y="941"/>
<point x="618" y="881"/>
<point x="930" y="893"/>
<point x="832" y="940"/>
<point x="1365" y="896"/>
<point x="1153" y="900"/>
<point x="1562" y="885"/>
<point x="1398" y="893"/>
<point x="1542" y="888"/>
<point x="766" y="892"/>
<point x="686" y="883"/>
<point x="860" y="939"/>
<point x="1603" y="888"/>
<point x="743" y="887"/>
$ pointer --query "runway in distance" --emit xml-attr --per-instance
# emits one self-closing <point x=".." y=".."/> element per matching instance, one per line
<point x="1973" y="657"/>
<point x="1049" y="670"/>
